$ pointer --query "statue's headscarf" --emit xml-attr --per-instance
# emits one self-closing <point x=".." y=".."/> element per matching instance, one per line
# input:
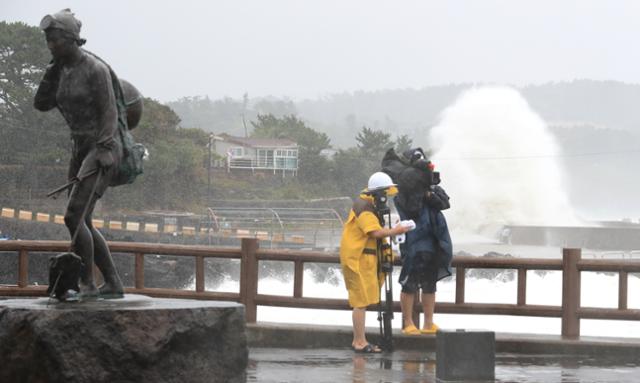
<point x="66" y="21"/>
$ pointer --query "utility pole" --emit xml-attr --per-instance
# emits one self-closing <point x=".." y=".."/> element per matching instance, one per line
<point x="210" y="145"/>
<point x="245" y="102"/>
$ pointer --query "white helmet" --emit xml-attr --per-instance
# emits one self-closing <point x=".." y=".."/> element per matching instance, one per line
<point x="379" y="181"/>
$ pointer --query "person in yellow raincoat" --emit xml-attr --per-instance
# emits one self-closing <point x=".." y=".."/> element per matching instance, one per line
<point x="358" y="256"/>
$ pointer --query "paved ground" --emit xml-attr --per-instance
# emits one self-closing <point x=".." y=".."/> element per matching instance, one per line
<point x="314" y="354"/>
<point x="342" y="365"/>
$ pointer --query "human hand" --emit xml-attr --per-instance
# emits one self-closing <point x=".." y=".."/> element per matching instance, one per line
<point x="408" y="223"/>
<point x="52" y="72"/>
<point x="104" y="158"/>
<point x="403" y="227"/>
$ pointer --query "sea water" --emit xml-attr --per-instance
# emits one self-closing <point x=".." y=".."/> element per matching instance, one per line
<point x="543" y="288"/>
<point x="500" y="165"/>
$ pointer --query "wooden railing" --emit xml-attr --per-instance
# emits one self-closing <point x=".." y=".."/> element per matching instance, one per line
<point x="249" y="254"/>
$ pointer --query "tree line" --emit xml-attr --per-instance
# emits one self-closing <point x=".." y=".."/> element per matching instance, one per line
<point x="342" y="137"/>
<point x="36" y="146"/>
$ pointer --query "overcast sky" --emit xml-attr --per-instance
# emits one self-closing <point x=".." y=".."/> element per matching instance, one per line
<point x="311" y="48"/>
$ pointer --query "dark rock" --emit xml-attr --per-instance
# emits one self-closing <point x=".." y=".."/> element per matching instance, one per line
<point x="503" y="275"/>
<point x="135" y="339"/>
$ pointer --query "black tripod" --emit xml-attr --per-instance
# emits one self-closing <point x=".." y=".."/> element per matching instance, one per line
<point x="385" y="269"/>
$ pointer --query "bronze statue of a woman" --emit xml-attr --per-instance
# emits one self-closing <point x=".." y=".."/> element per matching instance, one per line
<point x="80" y="85"/>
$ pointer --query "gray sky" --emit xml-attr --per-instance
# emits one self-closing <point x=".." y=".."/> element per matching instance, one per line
<point x="308" y="49"/>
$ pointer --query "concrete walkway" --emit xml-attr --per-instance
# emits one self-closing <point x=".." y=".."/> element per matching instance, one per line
<point x="303" y="353"/>
<point x="309" y="336"/>
<point x="342" y="365"/>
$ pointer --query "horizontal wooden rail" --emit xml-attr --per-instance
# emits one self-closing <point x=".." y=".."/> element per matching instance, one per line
<point x="249" y="254"/>
<point x="605" y="313"/>
<point x="470" y="262"/>
<point x="612" y="265"/>
<point x="499" y="309"/>
<point x="29" y="291"/>
<point x="441" y="307"/>
<point x="299" y="255"/>
<point x="127" y="247"/>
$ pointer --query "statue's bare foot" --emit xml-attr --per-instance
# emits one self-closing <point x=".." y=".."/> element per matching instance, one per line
<point x="111" y="290"/>
<point x="88" y="291"/>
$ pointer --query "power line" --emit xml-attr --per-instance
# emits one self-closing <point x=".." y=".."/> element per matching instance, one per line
<point x="592" y="154"/>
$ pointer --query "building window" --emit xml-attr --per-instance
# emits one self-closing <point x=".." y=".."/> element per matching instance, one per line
<point x="265" y="158"/>
<point x="237" y="151"/>
<point x="286" y="159"/>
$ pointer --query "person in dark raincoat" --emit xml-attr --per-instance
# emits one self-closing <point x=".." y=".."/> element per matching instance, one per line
<point x="427" y="250"/>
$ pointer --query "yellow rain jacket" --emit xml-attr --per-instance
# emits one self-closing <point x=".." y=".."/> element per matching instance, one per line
<point x="359" y="266"/>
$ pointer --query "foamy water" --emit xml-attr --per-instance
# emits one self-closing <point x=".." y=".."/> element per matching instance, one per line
<point x="499" y="163"/>
<point x="598" y="290"/>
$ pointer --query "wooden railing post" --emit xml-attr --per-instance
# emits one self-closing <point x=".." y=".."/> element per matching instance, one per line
<point x="249" y="278"/>
<point x="623" y="284"/>
<point x="199" y="273"/>
<point x="139" y="277"/>
<point x="460" y="271"/>
<point x="570" y="293"/>
<point x="298" y="275"/>
<point x="23" y="268"/>
<point x="522" y="287"/>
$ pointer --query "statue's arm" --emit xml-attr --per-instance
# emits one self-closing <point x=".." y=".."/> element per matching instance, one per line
<point x="107" y="123"/>
<point x="46" y="95"/>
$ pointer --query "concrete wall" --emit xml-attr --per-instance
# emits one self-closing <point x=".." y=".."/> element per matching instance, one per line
<point x="601" y="238"/>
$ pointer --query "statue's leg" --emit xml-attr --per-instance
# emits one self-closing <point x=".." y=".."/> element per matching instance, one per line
<point x="112" y="287"/>
<point x="81" y="196"/>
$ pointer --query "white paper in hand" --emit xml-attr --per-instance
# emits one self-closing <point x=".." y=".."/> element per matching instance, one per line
<point x="408" y="223"/>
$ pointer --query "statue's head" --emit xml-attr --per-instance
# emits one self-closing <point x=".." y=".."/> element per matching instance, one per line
<point x="62" y="27"/>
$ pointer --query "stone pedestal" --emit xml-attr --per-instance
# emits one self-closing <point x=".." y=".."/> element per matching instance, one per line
<point x="135" y="339"/>
<point x="465" y="355"/>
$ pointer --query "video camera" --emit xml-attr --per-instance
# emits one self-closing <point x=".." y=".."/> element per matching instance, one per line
<point x="383" y="212"/>
<point x="380" y="200"/>
<point x="418" y="161"/>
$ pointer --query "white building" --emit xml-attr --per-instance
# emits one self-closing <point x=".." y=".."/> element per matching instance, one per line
<point x="257" y="154"/>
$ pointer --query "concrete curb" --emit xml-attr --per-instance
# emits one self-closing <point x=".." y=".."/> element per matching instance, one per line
<point x="281" y="335"/>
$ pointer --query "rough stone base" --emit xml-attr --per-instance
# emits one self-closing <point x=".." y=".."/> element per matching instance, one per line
<point x="135" y="339"/>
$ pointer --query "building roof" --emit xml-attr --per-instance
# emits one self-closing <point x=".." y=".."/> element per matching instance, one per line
<point x="259" y="142"/>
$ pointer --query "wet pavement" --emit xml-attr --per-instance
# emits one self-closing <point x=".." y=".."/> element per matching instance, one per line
<point x="343" y="365"/>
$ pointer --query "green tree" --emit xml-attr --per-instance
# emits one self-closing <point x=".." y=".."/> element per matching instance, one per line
<point x="224" y="115"/>
<point x="312" y="166"/>
<point x="23" y="58"/>
<point x="174" y="175"/>
<point x="275" y="107"/>
<point x="28" y="137"/>
<point x="158" y="122"/>
<point x="403" y="143"/>
<point x="350" y="171"/>
<point x="269" y="126"/>
<point x="373" y="143"/>
<point x="33" y="145"/>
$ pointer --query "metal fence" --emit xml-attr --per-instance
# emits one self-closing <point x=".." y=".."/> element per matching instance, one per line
<point x="315" y="227"/>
